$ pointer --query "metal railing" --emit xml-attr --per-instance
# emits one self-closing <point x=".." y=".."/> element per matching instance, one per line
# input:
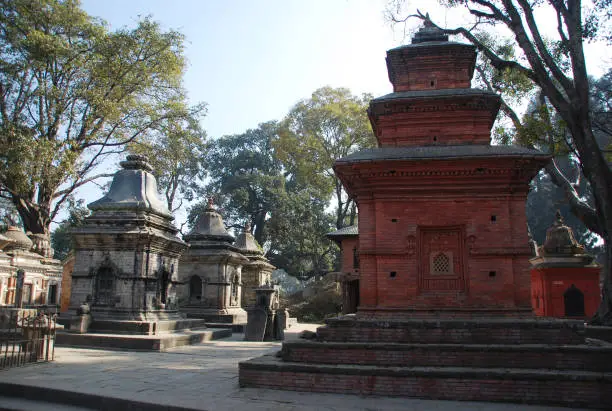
<point x="26" y="336"/>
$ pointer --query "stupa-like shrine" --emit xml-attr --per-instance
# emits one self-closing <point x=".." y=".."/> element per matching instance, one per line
<point x="257" y="271"/>
<point x="444" y="289"/>
<point x="211" y="272"/>
<point x="564" y="278"/>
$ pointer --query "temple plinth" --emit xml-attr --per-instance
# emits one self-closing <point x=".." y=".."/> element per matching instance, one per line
<point x="444" y="284"/>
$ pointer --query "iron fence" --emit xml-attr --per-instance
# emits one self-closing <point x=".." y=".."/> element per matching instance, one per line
<point x="26" y="336"/>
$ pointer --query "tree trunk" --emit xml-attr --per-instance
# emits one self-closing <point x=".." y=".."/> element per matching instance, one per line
<point x="260" y="221"/>
<point x="35" y="217"/>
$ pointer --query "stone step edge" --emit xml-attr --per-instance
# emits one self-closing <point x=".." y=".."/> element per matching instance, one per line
<point x="554" y="324"/>
<point x="607" y="348"/>
<point x="160" y="336"/>
<point x="272" y="363"/>
<point x="86" y="400"/>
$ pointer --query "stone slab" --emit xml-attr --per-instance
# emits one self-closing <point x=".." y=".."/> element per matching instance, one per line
<point x="256" y="325"/>
<point x="141" y="342"/>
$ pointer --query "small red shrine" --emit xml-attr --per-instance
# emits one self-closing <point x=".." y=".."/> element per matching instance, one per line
<point x="564" y="279"/>
<point x="444" y="283"/>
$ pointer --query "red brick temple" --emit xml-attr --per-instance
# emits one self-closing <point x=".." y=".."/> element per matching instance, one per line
<point x="444" y="282"/>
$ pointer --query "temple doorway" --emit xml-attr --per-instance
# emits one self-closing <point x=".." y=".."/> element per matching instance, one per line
<point x="104" y="286"/>
<point x="163" y="286"/>
<point x="195" y="289"/>
<point x="574" y="302"/>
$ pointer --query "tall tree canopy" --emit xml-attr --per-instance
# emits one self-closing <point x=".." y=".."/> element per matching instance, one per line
<point x="246" y="178"/>
<point x="71" y="94"/>
<point x="317" y="131"/>
<point x="554" y="64"/>
<point x="250" y="184"/>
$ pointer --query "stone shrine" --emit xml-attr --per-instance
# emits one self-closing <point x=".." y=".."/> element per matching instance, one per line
<point x="211" y="272"/>
<point x="127" y="251"/>
<point x="564" y="278"/>
<point x="266" y="321"/>
<point x="125" y="274"/>
<point x="42" y="275"/>
<point x="444" y="284"/>
<point x="257" y="271"/>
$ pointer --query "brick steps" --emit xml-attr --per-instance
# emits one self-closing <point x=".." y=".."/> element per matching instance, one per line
<point x="568" y="388"/>
<point x="540" y="356"/>
<point x="454" y="331"/>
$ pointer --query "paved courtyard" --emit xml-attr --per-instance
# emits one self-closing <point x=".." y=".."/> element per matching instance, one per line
<point x="200" y="377"/>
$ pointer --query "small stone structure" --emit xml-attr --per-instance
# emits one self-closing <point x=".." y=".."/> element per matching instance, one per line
<point x="127" y="251"/>
<point x="564" y="278"/>
<point x="266" y="321"/>
<point x="41" y="276"/>
<point x="347" y="239"/>
<point x="257" y="271"/>
<point x="211" y="272"/>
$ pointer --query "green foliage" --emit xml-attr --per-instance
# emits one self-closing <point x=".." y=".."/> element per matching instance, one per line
<point x="250" y="184"/>
<point x="74" y="93"/>
<point x="317" y="131"/>
<point x="246" y="178"/>
<point x="176" y="149"/>
<point x="61" y="239"/>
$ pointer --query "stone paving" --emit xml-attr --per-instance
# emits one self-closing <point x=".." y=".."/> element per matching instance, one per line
<point x="205" y="377"/>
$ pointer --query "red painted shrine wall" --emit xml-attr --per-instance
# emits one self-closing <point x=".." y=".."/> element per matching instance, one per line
<point x="550" y="283"/>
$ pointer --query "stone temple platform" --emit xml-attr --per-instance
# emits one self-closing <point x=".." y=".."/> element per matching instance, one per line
<point x="145" y="336"/>
<point x="543" y="361"/>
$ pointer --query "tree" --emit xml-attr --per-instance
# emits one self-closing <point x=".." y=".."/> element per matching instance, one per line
<point x="176" y="149"/>
<point x="317" y="131"/>
<point x="250" y="184"/>
<point x="71" y="95"/>
<point x="557" y="67"/>
<point x="61" y="238"/>
<point x="246" y="178"/>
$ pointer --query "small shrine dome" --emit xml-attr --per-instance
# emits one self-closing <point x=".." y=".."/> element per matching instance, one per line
<point x="209" y="227"/>
<point x="560" y="240"/>
<point x="133" y="188"/>
<point x="247" y="243"/>
<point x="561" y="247"/>
<point x="20" y="241"/>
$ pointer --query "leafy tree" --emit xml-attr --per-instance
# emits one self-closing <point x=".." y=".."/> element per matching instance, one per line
<point x="246" y="178"/>
<point x="61" y="238"/>
<point x="556" y="67"/>
<point x="317" y="131"/>
<point x="250" y="184"/>
<point x="296" y="235"/>
<point x="176" y="149"/>
<point x="71" y="94"/>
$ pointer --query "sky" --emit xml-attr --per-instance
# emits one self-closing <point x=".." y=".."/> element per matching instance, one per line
<point x="251" y="61"/>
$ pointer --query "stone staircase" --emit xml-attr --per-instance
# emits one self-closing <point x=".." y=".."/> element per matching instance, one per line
<point x="539" y="361"/>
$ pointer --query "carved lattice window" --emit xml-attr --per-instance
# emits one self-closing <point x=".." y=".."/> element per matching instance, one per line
<point x="441" y="263"/>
